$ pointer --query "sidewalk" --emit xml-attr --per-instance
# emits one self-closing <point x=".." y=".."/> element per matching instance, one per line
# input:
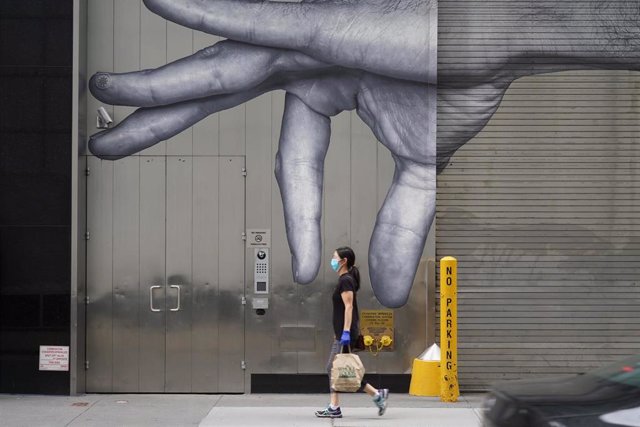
<point x="232" y="410"/>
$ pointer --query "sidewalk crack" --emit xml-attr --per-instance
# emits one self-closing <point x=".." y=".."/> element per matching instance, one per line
<point x="82" y="413"/>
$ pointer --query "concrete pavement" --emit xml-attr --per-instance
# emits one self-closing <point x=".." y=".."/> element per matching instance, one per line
<point x="102" y="410"/>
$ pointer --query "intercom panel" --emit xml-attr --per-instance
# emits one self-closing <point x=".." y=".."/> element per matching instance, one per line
<point x="261" y="271"/>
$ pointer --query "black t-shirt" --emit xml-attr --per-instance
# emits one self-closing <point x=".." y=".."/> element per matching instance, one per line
<point x="345" y="283"/>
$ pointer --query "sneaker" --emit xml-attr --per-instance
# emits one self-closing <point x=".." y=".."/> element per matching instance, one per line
<point x="381" y="400"/>
<point x="329" y="413"/>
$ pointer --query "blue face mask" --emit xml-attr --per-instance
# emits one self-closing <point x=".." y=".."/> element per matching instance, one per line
<point x="335" y="264"/>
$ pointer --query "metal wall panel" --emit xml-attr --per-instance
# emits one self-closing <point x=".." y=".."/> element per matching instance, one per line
<point x="386" y="167"/>
<point x="364" y="178"/>
<point x="77" y="343"/>
<point x="231" y="202"/>
<point x="540" y="209"/>
<point x="364" y="207"/>
<point x="179" y="45"/>
<point x="313" y="301"/>
<point x="206" y="135"/>
<point x="337" y="186"/>
<point x="179" y="273"/>
<point x="126" y="273"/>
<point x="259" y="163"/>
<point x="232" y="131"/>
<point x="153" y="54"/>
<point x="100" y="42"/>
<point x="126" y="45"/>
<point x="99" y="275"/>
<point x="152" y="326"/>
<point x="355" y="187"/>
<point x="205" y="338"/>
<point x="283" y="291"/>
<point x="336" y="224"/>
<point x="409" y="327"/>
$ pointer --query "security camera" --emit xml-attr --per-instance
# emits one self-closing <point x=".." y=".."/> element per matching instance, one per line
<point x="103" y="119"/>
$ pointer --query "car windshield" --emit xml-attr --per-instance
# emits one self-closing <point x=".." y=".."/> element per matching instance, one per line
<point x="625" y="372"/>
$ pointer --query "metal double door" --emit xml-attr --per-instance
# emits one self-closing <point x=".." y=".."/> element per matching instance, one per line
<point x="165" y="274"/>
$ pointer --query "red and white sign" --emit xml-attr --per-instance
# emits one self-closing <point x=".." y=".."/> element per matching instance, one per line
<point x="54" y="358"/>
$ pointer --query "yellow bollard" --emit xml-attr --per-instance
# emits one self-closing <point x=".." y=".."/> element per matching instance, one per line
<point x="449" y="391"/>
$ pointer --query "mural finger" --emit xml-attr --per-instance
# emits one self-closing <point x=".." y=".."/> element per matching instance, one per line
<point x="148" y="126"/>
<point x="225" y="67"/>
<point x="465" y="112"/>
<point x="304" y="141"/>
<point x="396" y="38"/>
<point x="398" y="238"/>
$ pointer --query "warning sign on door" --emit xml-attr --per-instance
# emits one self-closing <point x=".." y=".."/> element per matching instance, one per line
<point x="259" y="238"/>
<point x="54" y="358"/>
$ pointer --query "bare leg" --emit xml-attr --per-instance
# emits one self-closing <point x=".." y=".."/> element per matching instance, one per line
<point x="335" y="399"/>
<point x="370" y="390"/>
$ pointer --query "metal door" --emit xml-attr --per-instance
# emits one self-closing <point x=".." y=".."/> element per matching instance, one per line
<point x="161" y="315"/>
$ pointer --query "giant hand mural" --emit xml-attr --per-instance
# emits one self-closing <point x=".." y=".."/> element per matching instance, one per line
<point x="375" y="56"/>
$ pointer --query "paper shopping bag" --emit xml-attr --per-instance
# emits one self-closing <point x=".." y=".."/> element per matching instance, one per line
<point x="347" y="372"/>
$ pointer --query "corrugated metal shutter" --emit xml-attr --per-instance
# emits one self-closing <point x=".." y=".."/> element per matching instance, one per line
<point x="541" y="210"/>
<point x="541" y="207"/>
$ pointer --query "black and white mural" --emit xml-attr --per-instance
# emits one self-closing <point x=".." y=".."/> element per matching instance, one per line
<point x="380" y="58"/>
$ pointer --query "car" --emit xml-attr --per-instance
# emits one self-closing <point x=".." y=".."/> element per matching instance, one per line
<point x="608" y="396"/>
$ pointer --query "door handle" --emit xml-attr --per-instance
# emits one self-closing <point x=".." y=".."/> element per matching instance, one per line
<point x="151" y="298"/>
<point x="179" y="292"/>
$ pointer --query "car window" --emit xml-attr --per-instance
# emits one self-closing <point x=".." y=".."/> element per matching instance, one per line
<point x="625" y="372"/>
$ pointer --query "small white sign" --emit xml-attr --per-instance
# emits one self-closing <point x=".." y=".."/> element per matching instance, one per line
<point x="259" y="238"/>
<point x="54" y="358"/>
<point x="260" y="303"/>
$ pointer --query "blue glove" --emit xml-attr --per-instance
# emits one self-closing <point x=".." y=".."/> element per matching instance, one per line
<point x="346" y="338"/>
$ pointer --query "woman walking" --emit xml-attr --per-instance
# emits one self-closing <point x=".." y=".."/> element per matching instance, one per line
<point x="346" y="327"/>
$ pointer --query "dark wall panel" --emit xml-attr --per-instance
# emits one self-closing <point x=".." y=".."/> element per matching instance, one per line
<point x="35" y="189"/>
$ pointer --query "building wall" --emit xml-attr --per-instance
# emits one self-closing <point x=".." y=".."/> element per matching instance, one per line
<point x="124" y="36"/>
<point x="35" y="190"/>
<point x="539" y="207"/>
